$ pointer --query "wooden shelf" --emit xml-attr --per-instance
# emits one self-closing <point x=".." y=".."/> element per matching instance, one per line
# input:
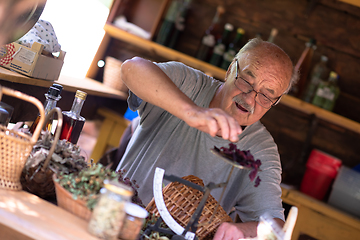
<point x="163" y="51"/>
<point x="219" y="73"/>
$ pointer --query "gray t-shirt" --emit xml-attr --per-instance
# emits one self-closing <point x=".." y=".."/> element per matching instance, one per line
<point x="163" y="140"/>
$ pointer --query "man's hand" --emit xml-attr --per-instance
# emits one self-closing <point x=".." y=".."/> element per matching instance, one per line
<point x="214" y="121"/>
<point x="235" y="231"/>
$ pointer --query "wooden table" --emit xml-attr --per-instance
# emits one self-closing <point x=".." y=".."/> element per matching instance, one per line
<point x="320" y="220"/>
<point x="99" y="95"/>
<point x="26" y="216"/>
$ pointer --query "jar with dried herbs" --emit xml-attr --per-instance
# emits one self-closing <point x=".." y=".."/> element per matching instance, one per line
<point x="109" y="213"/>
<point x="134" y="221"/>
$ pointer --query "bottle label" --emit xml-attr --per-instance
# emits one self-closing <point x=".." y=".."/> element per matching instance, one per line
<point x="209" y="40"/>
<point x="326" y="93"/>
<point x="229" y="55"/>
<point x="219" y="49"/>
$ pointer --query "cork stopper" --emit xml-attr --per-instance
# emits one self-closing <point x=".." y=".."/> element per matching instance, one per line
<point x="80" y="94"/>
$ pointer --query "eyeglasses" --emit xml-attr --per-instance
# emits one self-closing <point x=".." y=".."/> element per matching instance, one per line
<point x="245" y="87"/>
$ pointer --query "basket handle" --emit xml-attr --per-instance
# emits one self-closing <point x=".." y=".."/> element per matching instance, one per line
<point x="33" y="100"/>
<point x="57" y="133"/>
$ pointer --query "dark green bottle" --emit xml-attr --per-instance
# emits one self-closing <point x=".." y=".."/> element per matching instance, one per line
<point x="179" y="25"/>
<point x="221" y="45"/>
<point x="327" y="92"/>
<point x="233" y="49"/>
<point x="168" y="24"/>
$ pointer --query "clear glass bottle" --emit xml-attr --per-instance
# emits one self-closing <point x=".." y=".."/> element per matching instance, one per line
<point x="327" y="92"/>
<point x="233" y="49"/>
<point x="221" y="45"/>
<point x="318" y="73"/>
<point x="52" y="97"/>
<point x="109" y="213"/>
<point x="213" y="33"/>
<point x="168" y="24"/>
<point x="72" y="121"/>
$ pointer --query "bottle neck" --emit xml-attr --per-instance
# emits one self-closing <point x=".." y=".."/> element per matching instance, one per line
<point x="77" y="106"/>
<point x="50" y="103"/>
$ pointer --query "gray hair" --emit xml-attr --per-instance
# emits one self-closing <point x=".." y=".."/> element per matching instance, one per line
<point x="255" y="42"/>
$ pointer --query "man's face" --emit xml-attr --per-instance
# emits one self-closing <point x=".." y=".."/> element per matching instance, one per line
<point x="266" y="74"/>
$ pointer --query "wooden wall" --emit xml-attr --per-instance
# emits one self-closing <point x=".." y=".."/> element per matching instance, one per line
<point x="336" y="27"/>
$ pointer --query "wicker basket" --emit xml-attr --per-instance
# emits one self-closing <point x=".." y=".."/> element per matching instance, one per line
<point x="40" y="182"/>
<point x="182" y="201"/>
<point x="65" y="200"/>
<point x="15" y="147"/>
<point x="112" y="74"/>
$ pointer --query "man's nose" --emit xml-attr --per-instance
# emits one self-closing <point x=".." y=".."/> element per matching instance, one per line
<point x="250" y="97"/>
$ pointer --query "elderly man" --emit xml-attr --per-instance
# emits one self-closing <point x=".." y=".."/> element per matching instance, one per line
<point x="184" y="113"/>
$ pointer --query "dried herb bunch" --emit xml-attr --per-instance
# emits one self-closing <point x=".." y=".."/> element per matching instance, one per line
<point x="66" y="157"/>
<point x="86" y="184"/>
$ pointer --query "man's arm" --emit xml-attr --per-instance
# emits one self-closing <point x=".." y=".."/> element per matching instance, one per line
<point x="235" y="231"/>
<point x="152" y="85"/>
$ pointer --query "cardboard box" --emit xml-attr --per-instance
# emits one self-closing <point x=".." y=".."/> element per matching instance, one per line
<point x="30" y="61"/>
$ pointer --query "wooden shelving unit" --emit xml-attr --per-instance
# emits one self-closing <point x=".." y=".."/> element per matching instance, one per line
<point x="218" y="73"/>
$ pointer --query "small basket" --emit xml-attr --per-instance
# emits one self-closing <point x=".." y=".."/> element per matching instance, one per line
<point x="182" y="201"/>
<point x="112" y="74"/>
<point x="15" y="147"/>
<point x="39" y="181"/>
<point x="65" y="200"/>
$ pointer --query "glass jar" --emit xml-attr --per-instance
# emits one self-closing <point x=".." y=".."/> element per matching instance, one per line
<point x="134" y="221"/>
<point x="109" y="213"/>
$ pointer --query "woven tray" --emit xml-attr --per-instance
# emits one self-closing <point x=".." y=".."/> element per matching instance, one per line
<point x="15" y="147"/>
<point x="182" y="201"/>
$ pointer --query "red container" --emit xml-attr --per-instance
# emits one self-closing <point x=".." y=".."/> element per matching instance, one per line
<point x="321" y="169"/>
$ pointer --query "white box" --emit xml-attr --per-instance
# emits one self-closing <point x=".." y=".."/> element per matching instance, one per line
<point x="30" y="61"/>
<point x="345" y="194"/>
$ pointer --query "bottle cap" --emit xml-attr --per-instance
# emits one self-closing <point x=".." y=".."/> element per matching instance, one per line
<point x="240" y="30"/>
<point x="229" y="27"/>
<point x="80" y="94"/>
<point x="58" y="86"/>
<point x="53" y="92"/>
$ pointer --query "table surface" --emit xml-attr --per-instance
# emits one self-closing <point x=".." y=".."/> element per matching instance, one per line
<point x="90" y="86"/>
<point x="35" y="218"/>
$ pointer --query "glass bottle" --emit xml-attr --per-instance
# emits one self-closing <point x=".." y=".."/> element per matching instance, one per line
<point x="318" y="73"/>
<point x="220" y="46"/>
<point x="168" y="23"/>
<point x="52" y="97"/>
<point x="179" y="23"/>
<point x="213" y="33"/>
<point x="233" y="49"/>
<point x="327" y="92"/>
<point x="72" y="121"/>
<point x="109" y="213"/>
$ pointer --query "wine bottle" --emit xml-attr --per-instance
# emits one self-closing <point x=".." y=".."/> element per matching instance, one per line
<point x="73" y="123"/>
<point x="168" y="23"/>
<point x="52" y="97"/>
<point x="220" y="46"/>
<point x="233" y="49"/>
<point x="327" y="92"/>
<point x="179" y="23"/>
<point x="213" y="33"/>
<point x="318" y="73"/>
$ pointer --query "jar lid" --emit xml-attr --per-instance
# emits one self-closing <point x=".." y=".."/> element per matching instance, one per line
<point x="135" y="210"/>
<point x="118" y="187"/>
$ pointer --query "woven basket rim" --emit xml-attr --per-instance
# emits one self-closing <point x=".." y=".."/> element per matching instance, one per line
<point x="179" y="201"/>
